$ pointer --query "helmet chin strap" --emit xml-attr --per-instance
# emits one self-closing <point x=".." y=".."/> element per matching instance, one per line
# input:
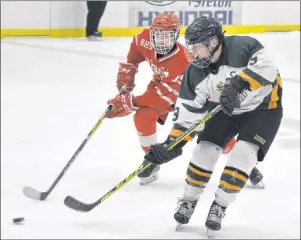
<point x="216" y="47"/>
<point x="214" y="50"/>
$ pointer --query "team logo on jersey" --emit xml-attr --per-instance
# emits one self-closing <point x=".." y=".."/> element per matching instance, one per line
<point x="220" y="86"/>
<point x="159" y="71"/>
<point x="146" y="44"/>
<point x="160" y="3"/>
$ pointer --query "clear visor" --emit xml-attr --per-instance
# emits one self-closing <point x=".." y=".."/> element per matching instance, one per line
<point x="163" y="40"/>
<point x="201" y="52"/>
<point x="202" y="49"/>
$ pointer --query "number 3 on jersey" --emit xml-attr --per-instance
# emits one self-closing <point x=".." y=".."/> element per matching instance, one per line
<point x="175" y="114"/>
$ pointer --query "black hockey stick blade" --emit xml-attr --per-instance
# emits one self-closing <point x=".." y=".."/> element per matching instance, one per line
<point x="34" y="194"/>
<point x="73" y="203"/>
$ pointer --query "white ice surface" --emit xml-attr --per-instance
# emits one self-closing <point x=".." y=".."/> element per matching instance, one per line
<point x="53" y="92"/>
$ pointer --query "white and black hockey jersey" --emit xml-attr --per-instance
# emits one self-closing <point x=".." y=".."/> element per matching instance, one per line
<point x="241" y="55"/>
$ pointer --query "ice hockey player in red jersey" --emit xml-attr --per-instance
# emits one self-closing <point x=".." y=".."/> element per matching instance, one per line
<point x="166" y="57"/>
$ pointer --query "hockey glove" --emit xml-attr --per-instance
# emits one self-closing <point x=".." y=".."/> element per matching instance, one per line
<point x="126" y="75"/>
<point x="229" y="98"/>
<point x="158" y="153"/>
<point x="122" y="105"/>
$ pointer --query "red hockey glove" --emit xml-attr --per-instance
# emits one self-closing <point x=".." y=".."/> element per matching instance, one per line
<point x="126" y="75"/>
<point x="122" y="106"/>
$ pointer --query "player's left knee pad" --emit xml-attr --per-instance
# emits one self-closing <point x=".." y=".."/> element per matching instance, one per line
<point x="242" y="160"/>
<point x="243" y="156"/>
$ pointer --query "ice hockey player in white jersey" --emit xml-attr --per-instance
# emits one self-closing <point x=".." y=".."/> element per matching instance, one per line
<point x="237" y="73"/>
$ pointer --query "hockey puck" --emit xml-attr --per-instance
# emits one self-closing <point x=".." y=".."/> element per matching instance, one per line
<point x="18" y="220"/>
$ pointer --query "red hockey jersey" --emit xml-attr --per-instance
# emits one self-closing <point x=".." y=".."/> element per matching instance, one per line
<point x="168" y="70"/>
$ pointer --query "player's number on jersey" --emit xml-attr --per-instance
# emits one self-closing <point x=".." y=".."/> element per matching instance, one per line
<point x="175" y="114"/>
<point x="253" y="61"/>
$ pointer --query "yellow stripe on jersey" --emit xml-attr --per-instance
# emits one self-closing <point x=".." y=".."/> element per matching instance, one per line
<point x="253" y="83"/>
<point x="274" y="94"/>
<point x="177" y="133"/>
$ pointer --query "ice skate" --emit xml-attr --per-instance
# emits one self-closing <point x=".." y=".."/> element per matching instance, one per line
<point x="214" y="219"/>
<point x="149" y="174"/>
<point x="95" y="36"/>
<point x="184" y="211"/>
<point x="256" y="178"/>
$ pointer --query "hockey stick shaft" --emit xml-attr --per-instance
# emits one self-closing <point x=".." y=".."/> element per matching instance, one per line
<point x="43" y="195"/>
<point x="79" y="206"/>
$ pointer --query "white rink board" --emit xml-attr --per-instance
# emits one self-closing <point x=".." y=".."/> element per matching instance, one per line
<point x="72" y="14"/>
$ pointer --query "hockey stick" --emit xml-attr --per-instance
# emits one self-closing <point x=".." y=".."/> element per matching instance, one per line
<point x="77" y="205"/>
<point x="37" y="195"/>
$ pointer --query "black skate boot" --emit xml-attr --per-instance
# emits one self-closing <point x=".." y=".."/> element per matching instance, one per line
<point x="184" y="211"/>
<point x="256" y="178"/>
<point x="214" y="218"/>
<point x="149" y="174"/>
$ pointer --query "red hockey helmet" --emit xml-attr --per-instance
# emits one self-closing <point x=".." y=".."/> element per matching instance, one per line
<point x="164" y="32"/>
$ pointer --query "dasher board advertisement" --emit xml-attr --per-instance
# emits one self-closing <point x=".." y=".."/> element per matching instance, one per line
<point x="142" y="13"/>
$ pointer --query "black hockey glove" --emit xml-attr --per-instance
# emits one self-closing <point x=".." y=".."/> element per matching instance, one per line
<point x="229" y="98"/>
<point x="158" y="153"/>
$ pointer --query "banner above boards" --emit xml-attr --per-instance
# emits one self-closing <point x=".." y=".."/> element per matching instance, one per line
<point x="143" y="13"/>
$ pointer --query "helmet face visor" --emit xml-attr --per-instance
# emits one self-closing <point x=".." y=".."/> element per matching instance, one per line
<point x="163" y="40"/>
<point x="200" y="53"/>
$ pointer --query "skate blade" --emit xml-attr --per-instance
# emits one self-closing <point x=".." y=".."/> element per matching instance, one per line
<point x="179" y="227"/>
<point x="152" y="178"/>
<point x="210" y="233"/>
